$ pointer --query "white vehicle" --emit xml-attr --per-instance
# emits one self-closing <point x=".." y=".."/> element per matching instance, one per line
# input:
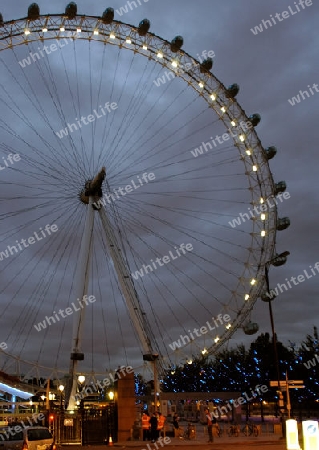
<point x="27" y="438"/>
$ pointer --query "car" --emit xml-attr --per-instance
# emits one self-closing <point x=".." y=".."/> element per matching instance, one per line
<point x="26" y="438"/>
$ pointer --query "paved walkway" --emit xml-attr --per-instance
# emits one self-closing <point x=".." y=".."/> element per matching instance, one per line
<point x="216" y="445"/>
<point x="271" y="442"/>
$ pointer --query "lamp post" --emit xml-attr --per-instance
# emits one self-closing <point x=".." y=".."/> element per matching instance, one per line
<point x="81" y="380"/>
<point x="61" y="421"/>
<point x="43" y="397"/>
<point x="277" y="261"/>
<point x="61" y="389"/>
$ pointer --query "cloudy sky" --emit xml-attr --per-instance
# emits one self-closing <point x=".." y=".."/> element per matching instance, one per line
<point x="153" y="129"/>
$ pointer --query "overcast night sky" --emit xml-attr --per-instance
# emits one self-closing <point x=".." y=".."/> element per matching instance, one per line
<point x="271" y="67"/>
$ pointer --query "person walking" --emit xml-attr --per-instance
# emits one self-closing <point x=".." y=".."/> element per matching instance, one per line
<point x="153" y="423"/>
<point x="210" y="421"/>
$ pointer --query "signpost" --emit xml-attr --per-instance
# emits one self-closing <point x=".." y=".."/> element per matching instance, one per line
<point x="285" y="386"/>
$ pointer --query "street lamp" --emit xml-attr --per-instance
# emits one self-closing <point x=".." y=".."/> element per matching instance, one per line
<point x="43" y="397"/>
<point x="81" y="379"/>
<point x="61" y="389"/>
<point x="277" y="260"/>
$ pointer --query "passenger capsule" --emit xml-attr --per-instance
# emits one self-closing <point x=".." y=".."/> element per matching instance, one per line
<point x="206" y="65"/>
<point x="270" y="152"/>
<point x="279" y="261"/>
<point x="108" y="16"/>
<point x="280" y="187"/>
<point x="71" y="10"/>
<point x="268" y="296"/>
<point x="232" y="90"/>
<point x="177" y="44"/>
<point x="33" y="11"/>
<point x="283" y="223"/>
<point x="251" y="328"/>
<point x="254" y="119"/>
<point x="143" y="27"/>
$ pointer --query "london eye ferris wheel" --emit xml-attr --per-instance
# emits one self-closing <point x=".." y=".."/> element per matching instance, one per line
<point x="119" y="150"/>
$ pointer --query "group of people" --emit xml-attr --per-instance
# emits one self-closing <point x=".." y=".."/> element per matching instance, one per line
<point x="153" y="426"/>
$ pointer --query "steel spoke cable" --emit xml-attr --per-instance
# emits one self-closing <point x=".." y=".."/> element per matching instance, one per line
<point x="60" y="110"/>
<point x="47" y="246"/>
<point x="119" y="129"/>
<point x="113" y="282"/>
<point x="145" y="213"/>
<point x="138" y="97"/>
<point x="167" y="241"/>
<point x="84" y="156"/>
<point x="137" y="128"/>
<point x="9" y="281"/>
<point x="173" y="156"/>
<point x="136" y="257"/>
<point x="38" y="152"/>
<point x="112" y="276"/>
<point x="107" y="127"/>
<point x="38" y="108"/>
<point x="137" y="145"/>
<point x="123" y="237"/>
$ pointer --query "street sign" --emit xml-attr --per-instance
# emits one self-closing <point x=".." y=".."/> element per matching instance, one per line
<point x="275" y="383"/>
<point x="292" y="384"/>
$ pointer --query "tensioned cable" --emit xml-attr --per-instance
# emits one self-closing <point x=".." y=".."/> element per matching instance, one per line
<point x="117" y="151"/>
<point x="48" y="243"/>
<point x="122" y="236"/>
<point x="111" y="277"/>
<point x="39" y="108"/>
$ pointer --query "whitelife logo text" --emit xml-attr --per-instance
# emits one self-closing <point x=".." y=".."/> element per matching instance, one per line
<point x="63" y="313"/>
<point x="198" y="332"/>
<point x="38" y="236"/>
<point x="86" y="120"/>
<point x="166" y="259"/>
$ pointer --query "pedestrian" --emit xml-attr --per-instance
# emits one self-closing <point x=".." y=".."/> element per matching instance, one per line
<point x="178" y="432"/>
<point x="160" y="424"/>
<point x="153" y="423"/>
<point x="210" y="421"/>
<point x="146" y="426"/>
<point x="175" y="421"/>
